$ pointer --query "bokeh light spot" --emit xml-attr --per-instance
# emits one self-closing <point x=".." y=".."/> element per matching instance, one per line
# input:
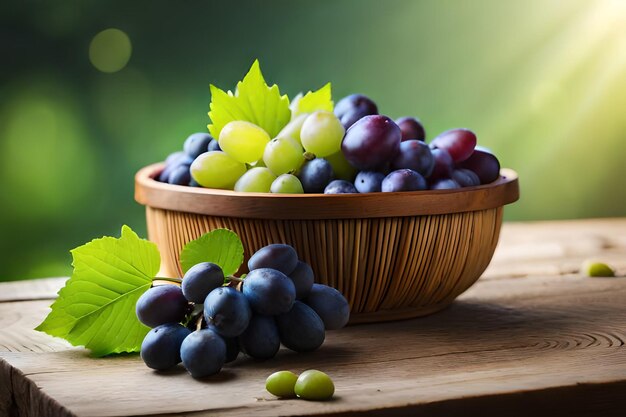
<point x="110" y="50"/>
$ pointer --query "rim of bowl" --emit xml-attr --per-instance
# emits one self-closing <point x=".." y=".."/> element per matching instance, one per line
<point x="226" y="203"/>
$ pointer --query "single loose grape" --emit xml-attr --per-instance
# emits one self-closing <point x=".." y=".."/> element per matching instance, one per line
<point x="256" y="180"/>
<point x="281" y="384"/>
<point x="314" y="385"/>
<point x="244" y="141"/>
<point x="287" y="184"/>
<point x="597" y="269"/>
<point x="322" y="133"/>
<point x="216" y="169"/>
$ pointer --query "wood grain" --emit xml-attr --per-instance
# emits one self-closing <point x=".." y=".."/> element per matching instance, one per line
<point x="532" y="343"/>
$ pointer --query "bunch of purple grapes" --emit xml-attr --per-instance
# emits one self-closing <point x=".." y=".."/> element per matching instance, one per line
<point x="205" y="323"/>
<point x="392" y="156"/>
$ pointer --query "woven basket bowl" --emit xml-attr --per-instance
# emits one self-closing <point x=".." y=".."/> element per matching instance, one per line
<point x="393" y="255"/>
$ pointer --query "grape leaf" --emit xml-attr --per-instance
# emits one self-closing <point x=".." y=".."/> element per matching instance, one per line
<point x="312" y="101"/>
<point x="254" y="101"/>
<point x="96" y="307"/>
<point x="221" y="246"/>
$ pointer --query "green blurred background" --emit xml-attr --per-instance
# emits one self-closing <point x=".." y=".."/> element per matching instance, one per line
<point x="542" y="82"/>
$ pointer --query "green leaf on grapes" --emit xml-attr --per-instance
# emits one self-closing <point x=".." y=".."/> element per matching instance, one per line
<point x="254" y="101"/>
<point x="221" y="246"/>
<point x="313" y="101"/>
<point x="96" y="307"/>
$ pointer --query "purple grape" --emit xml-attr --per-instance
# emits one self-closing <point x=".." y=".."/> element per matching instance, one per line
<point x="174" y="163"/>
<point x="278" y="256"/>
<point x="228" y="311"/>
<point x="403" y="180"/>
<point x="261" y="339"/>
<point x="483" y="164"/>
<point x="443" y="164"/>
<point x="465" y="177"/>
<point x="315" y="175"/>
<point x="160" y="348"/>
<point x="354" y="107"/>
<point x="196" y="144"/>
<point x="173" y="157"/>
<point x="340" y="187"/>
<point x="369" y="181"/>
<point x="411" y="128"/>
<point x="200" y="280"/>
<point x="371" y="142"/>
<point x="415" y="155"/>
<point x="330" y="305"/>
<point x="459" y="143"/>
<point x="214" y="145"/>
<point x="180" y="175"/>
<point x="160" y="305"/>
<point x="445" y="184"/>
<point x="303" y="279"/>
<point x="301" y="329"/>
<point x="203" y="353"/>
<point x="269" y="291"/>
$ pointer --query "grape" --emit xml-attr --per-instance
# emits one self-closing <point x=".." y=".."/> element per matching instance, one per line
<point x="278" y="256"/>
<point x="322" y="133"/>
<point x="260" y="340"/>
<point x="283" y="155"/>
<point x="203" y="353"/>
<point x="445" y="184"/>
<point x="161" y="304"/>
<point x="194" y="183"/>
<point x="216" y="169"/>
<point x="243" y="141"/>
<point x="465" y="177"/>
<point x="411" y="128"/>
<point x="303" y="279"/>
<point x="175" y="156"/>
<point x="403" y="180"/>
<point x="281" y="384"/>
<point x="459" y="143"/>
<point x="180" y="175"/>
<point x="371" y="142"/>
<point x="160" y="348"/>
<point x="593" y="268"/>
<point x="330" y="305"/>
<point x="483" y="164"/>
<point x="227" y="310"/>
<point x="196" y="144"/>
<point x="340" y="187"/>
<point x="314" y="385"/>
<point x="354" y="107"/>
<point x="369" y="181"/>
<point x="415" y="155"/>
<point x="214" y="145"/>
<point x="232" y="348"/>
<point x="269" y="291"/>
<point x="315" y="175"/>
<point x="287" y="184"/>
<point x="255" y="180"/>
<point x="200" y="280"/>
<point x="293" y="128"/>
<point x="172" y="165"/>
<point x="443" y="164"/>
<point x="301" y="329"/>
<point x="341" y="167"/>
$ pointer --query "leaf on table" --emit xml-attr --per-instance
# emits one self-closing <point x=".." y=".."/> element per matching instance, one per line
<point x="313" y="101"/>
<point x="96" y="307"/>
<point x="254" y="101"/>
<point x="220" y="246"/>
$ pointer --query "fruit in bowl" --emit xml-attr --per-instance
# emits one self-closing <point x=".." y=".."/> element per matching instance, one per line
<point x="400" y="225"/>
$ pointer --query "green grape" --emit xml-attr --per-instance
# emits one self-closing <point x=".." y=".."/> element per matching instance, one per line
<point x="341" y="167"/>
<point x="597" y="269"/>
<point x="281" y="384"/>
<point x="314" y="385"/>
<point x="287" y="184"/>
<point x="293" y="128"/>
<point x="322" y="134"/>
<point x="256" y="180"/>
<point x="243" y="141"/>
<point x="216" y="169"/>
<point x="283" y="155"/>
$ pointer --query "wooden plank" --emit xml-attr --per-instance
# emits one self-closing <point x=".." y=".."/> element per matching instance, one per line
<point x="523" y="343"/>
<point x="37" y="289"/>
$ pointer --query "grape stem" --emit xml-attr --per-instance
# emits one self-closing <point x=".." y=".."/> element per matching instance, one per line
<point x="199" y="322"/>
<point x="232" y="278"/>
<point x="309" y="156"/>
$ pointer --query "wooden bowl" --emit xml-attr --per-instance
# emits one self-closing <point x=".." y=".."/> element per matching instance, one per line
<point x="393" y="255"/>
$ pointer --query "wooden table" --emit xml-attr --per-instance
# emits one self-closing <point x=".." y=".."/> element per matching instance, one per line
<point x="532" y="337"/>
